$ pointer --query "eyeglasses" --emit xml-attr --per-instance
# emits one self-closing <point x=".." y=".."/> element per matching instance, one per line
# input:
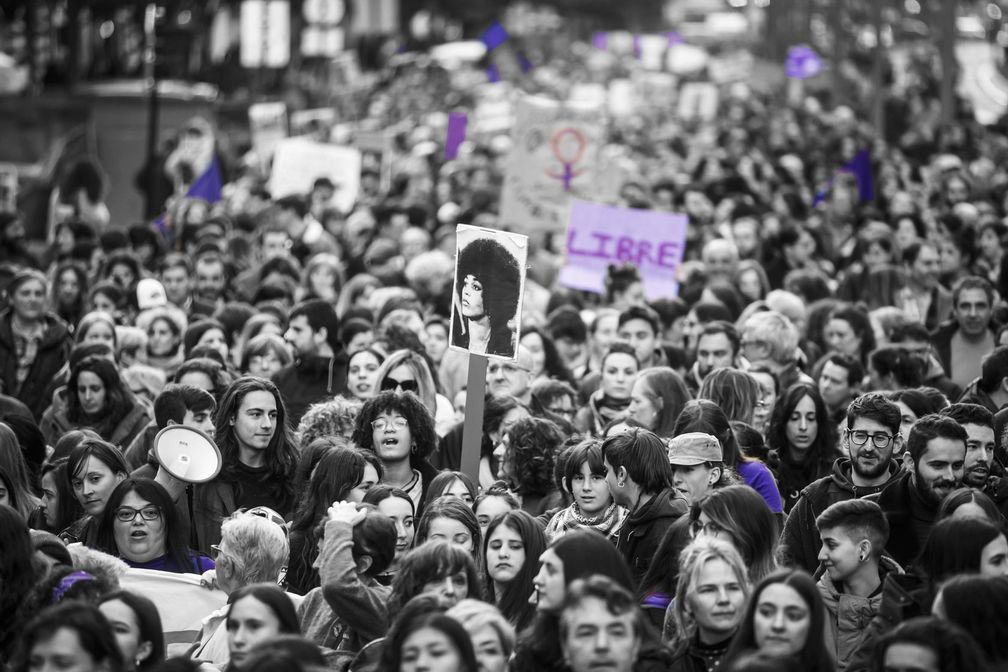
<point x="215" y="552"/>
<point x="859" y="437"/>
<point x="381" y="423"/>
<point x="391" y="384"/>
<point x="127" y="514"/>
<point x="506" y="367"/>
<point x="710" y="528"/>
<point x="269" y="514"/>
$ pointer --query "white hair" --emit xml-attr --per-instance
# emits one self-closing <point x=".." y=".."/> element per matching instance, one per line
<point x="257" y="550"/>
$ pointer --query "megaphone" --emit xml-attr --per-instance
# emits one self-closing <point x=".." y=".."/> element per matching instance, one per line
<point x="187" y="454"/>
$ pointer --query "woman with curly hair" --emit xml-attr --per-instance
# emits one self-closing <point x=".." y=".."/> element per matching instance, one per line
<point x="488" y="288"/>
<point x="96" y="398"/>
<point x="802" y="440"/>
<point x="399" y="429"/>
<point x="343" y="474"/>
<point x="333" y="418"/>
<point x="526" y="463"/>
<point x="436" y="567"/>
<point x="511" y="548"/>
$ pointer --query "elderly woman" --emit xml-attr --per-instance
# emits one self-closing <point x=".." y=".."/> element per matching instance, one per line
<point x="253" y="549"/>
<point x="488" y="288"/>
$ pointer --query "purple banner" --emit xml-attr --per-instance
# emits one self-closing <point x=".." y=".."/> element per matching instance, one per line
<point x="457" y="122"/>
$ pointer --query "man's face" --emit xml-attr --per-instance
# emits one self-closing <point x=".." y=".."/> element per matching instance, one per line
<point x="714" y="351"/>
<point x="744" y="232"/>
<point x="833" y="385"/>
<point x="719" y="261"/>
<point x="641" y="337"/>
<point x="597" y="639"/>
<point x="868" y="460"/>
<point x="926" y="269"/>
<point x="275" y="244"/>
<point x="177" y="285"/>
<point x="201" y="420"/>
<point x="210" y="279"/>
<point x="939" y="470"/>
<point x="302" y="339"/>
<point x="979" y="454"/>
<point x="255" y="422"/>
<point x="512" y="378"/>
<point x="973" y="312"/>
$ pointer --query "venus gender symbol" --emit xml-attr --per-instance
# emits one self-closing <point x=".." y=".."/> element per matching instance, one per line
<point x="568" y="145"/>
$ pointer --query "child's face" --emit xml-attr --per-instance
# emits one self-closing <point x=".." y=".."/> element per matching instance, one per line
<point x="841" y="553"/>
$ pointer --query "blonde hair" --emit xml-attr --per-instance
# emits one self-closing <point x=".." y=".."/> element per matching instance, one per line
<point x="691" y="562"/>
<point x="427" y="391"/>
<point x="474" y="615"/>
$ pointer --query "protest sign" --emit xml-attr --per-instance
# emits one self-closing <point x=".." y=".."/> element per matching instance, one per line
<point x="318" y="122"/>
<point x="181" y="602"/>
<point x="267" y="127"/>
<point x="553" y="159"/>
<point x="489" y="284"/>
<point x="698" y="100"/>
<point x="298" y="162"/>
<point x="599" y="235"/>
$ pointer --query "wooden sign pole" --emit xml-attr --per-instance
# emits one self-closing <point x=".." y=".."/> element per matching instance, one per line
<point x="472" y="428"/>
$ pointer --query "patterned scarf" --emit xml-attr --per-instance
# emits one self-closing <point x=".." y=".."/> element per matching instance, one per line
<point x="571" y="518"/>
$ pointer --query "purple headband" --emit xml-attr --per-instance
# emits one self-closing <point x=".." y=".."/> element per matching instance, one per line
<point x="66" y="583"/>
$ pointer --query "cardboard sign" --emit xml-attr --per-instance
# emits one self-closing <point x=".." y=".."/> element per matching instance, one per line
<point x="698" y="100"/>
<point x="599" y="235"/>
<point x="265" y="33"/>
<point x="554" y="159"/>
<point x="489" y="285"/>
<point x="298" y="162"/>
<point x="267" y="127"/>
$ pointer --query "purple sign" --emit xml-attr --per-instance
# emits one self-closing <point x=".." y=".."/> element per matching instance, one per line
<point x="457" y="122"/>
<point x="600" y="41"/>
<point x="599" y="235"/>
<point x="802" y="62"/>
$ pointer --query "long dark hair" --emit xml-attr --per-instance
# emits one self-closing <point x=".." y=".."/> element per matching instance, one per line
<point x="553" y="364"/>
<point x="824" y="449"/>
<point x="68" y="509"/>
<point x="103" y="451"/>
<point x="703" y="415"/>
<point x="72" y="313"/>
<point x="281" y="453"/>
<point x="17" y="576"/>
<point x="432" y="561"/>
<point x="514" y="602"/>
<point x="954" y="547"/>
<point x="92" y="628"/>
<point x="814" y="657"/>
<point x="148" y="622"/>
<point x="175" y="538"/>
<point x="118" y="400"/>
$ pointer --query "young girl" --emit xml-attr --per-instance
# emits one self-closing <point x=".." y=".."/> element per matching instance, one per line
<point x="256" y="613"/>
<point x="437" y="566"/>
<point x="513" y="543"/>
<point x="397" y="505"/>
<point x="449" y="519"/>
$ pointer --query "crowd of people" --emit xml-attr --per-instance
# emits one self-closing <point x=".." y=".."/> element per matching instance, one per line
<point x="798" y="463"/>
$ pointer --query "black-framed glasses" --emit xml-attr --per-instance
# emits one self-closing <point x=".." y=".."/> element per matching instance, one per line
<point x="390" y="383"/>
<point x="127" y="514"/>
<point x="381" y="423"/>
<point x="859" y="437"/>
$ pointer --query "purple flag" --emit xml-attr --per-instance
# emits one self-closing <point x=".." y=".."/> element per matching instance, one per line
<point x="493" y="74"/>
<point x="524" y="63"/>
<point x="457" y="122"/>
<point x="802" y="62"/>
<point x="674" y="38"/>
<point x="636" y="47"/>
<point x="494" y="36"/>
<point x="860" y="168"/>
<point x="207" y="187"/>
<point x="600" y="41"/>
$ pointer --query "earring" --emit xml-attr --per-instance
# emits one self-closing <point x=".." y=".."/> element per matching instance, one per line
<point x="861" y="558"/>
<point x="413" y="449"/>
<point x="619" y="483"/>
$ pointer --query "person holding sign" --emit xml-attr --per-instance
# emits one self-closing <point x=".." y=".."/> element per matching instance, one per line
<point x="488" y="288"/>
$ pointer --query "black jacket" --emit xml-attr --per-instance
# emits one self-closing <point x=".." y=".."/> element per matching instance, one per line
<point x="310" y="380"/>
<point x="800" y="545"/>
<point x="941" y="341"/>
<point x="910" y="519"/>
<point x="644" y="529"/>
<point x="52" y="354"/>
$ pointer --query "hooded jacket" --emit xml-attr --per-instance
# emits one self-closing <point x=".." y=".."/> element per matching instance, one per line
<point x="310" y="380"/>
<point x="645" y="527"/>
<point x="55" y="422"/>
<point x="53" y="351"/>
<point x="800" y="538"/>
<point x="904" y="596"/>
<point x="850" y="615"/>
